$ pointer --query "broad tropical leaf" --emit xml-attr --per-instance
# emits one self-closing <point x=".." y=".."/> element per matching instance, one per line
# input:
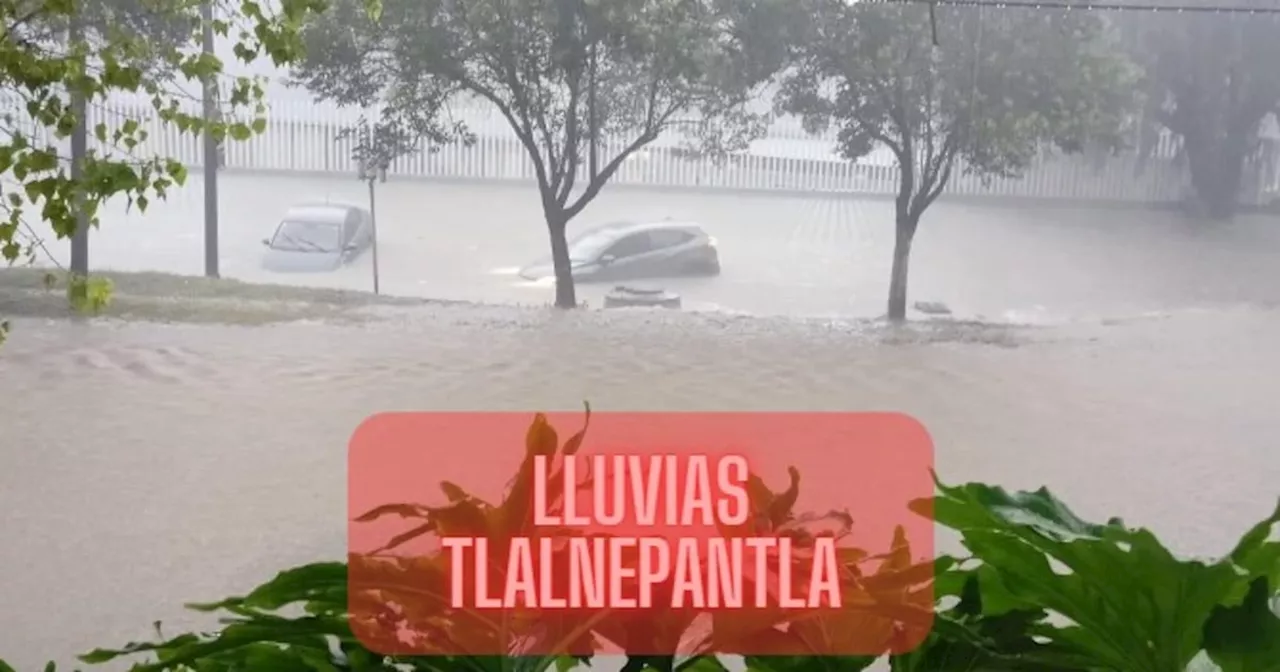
<point x="1133" y="606"/>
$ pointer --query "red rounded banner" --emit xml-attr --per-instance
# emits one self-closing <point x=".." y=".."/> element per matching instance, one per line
<point x="645" y="533"/>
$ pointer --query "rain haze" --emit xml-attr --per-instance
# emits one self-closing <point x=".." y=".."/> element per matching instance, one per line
<point x="1090" y="324"/>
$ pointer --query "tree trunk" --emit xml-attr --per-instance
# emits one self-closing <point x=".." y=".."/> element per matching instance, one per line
<point x="79" y="149"/>
<point x="211" y="158"/>
<point x="1217" y="190"/>
<point x="1217" y="167"/>
<point x="906" y="231"/>
<point x="565" y="295"/>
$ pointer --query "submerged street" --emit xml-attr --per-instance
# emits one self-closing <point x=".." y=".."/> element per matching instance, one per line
<point x="781" y="255"/>
<point x="197" y="460"/>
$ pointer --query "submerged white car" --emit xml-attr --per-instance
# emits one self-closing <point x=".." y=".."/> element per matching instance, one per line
<point x="318" y="237"/>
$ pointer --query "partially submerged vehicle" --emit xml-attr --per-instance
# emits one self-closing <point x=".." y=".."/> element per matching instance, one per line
<point x="317" y="237"/>
<point x="636" y="250"/>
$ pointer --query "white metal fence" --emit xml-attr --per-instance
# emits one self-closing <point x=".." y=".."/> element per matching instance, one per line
<point x="300" y="138"/>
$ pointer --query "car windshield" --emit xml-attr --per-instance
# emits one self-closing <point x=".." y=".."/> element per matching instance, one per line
<point x="591" y="244"/>
<point x="297" y="236"/>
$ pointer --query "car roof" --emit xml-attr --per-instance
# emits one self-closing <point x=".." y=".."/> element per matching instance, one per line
<point x="321" y="213"/>
<point x="622" y="228"/>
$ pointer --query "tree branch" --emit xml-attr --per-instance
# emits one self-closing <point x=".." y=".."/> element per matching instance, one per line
<point x="521" y="128"/>
<point x="571" y="156"/>
<point x="652" y="130"/>
<point x="930" y="193"/>
<point x="597" y="183"/>
<point x="928" y="130"/>
<point x="906" y="151"/>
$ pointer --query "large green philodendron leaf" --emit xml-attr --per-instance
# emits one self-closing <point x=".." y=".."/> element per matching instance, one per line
<point x="1246" y="638"/>
<point x="968" y="636"/>
<point x="1131" y="606"/>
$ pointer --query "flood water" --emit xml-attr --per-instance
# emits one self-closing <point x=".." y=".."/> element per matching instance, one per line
<point x="780" y="255"/>
<point x="150" y="465"/>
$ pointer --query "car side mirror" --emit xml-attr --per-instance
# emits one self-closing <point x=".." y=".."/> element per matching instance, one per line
<point x="266" y="241"/>
<point x="607" y="259"/>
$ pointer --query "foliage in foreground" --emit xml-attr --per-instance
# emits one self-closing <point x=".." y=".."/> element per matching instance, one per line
<point x="1040" y="589"/>
<point x="61" y="59"/>
<point x="57" y="52"/>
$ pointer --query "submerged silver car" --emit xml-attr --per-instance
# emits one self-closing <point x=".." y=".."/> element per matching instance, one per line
<point x="318" y="237"/>
<point x="634" y="251"/>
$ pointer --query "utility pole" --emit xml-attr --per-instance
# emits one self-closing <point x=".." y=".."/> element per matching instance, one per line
<point x="373" y="222"/>
<point x="372" y="164"/>
<point x="79" y="148"/>
<point x="212" y="161"/>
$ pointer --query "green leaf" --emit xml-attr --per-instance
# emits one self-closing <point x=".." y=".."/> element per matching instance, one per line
<point x="177" y="171"/>
<point x="566" y="663"/>
<point x="239" y="132"/>
<point x="808" y="663"/>
<point x="322" y="584"/>
<point x="1258" y="552"/>
<point x="970" y="637"/>
<point x="39" y="161"/>
<point x="701" y="664"/>
<point x="1246" y="638"/>
<point x="1132" y="604"/>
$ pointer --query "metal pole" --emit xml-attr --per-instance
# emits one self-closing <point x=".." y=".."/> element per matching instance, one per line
<point x="211" y="162"/>
<point x="79" y="148"/>
<point x="373" y="223"/>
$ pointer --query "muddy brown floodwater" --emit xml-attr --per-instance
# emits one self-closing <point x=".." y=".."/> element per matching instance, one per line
<point x="148" y="465"/>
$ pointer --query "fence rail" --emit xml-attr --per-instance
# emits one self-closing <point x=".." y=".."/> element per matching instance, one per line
<point x="300" y="138"/>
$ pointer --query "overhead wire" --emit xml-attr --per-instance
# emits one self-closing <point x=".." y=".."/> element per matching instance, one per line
<point x="1085" y="6"/>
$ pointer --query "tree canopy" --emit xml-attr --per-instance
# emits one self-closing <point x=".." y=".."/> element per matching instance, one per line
<point x="1210" y="79"/>
<point x="583" y="84"/>
<point x="998" y="88"/>
<point x="57" y="50"/>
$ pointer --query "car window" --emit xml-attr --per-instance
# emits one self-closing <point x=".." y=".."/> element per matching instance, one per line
<point x="660" y="238"/>
<point x="353" y="223"/>
<point x="299" y="236"/>
<point x="636" y="243"/>
<point x="590" y="245"/>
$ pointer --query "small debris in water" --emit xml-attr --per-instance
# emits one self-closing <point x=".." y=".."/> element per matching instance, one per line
<point x="636" y="297"/>
<point x="932" y="307"/>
